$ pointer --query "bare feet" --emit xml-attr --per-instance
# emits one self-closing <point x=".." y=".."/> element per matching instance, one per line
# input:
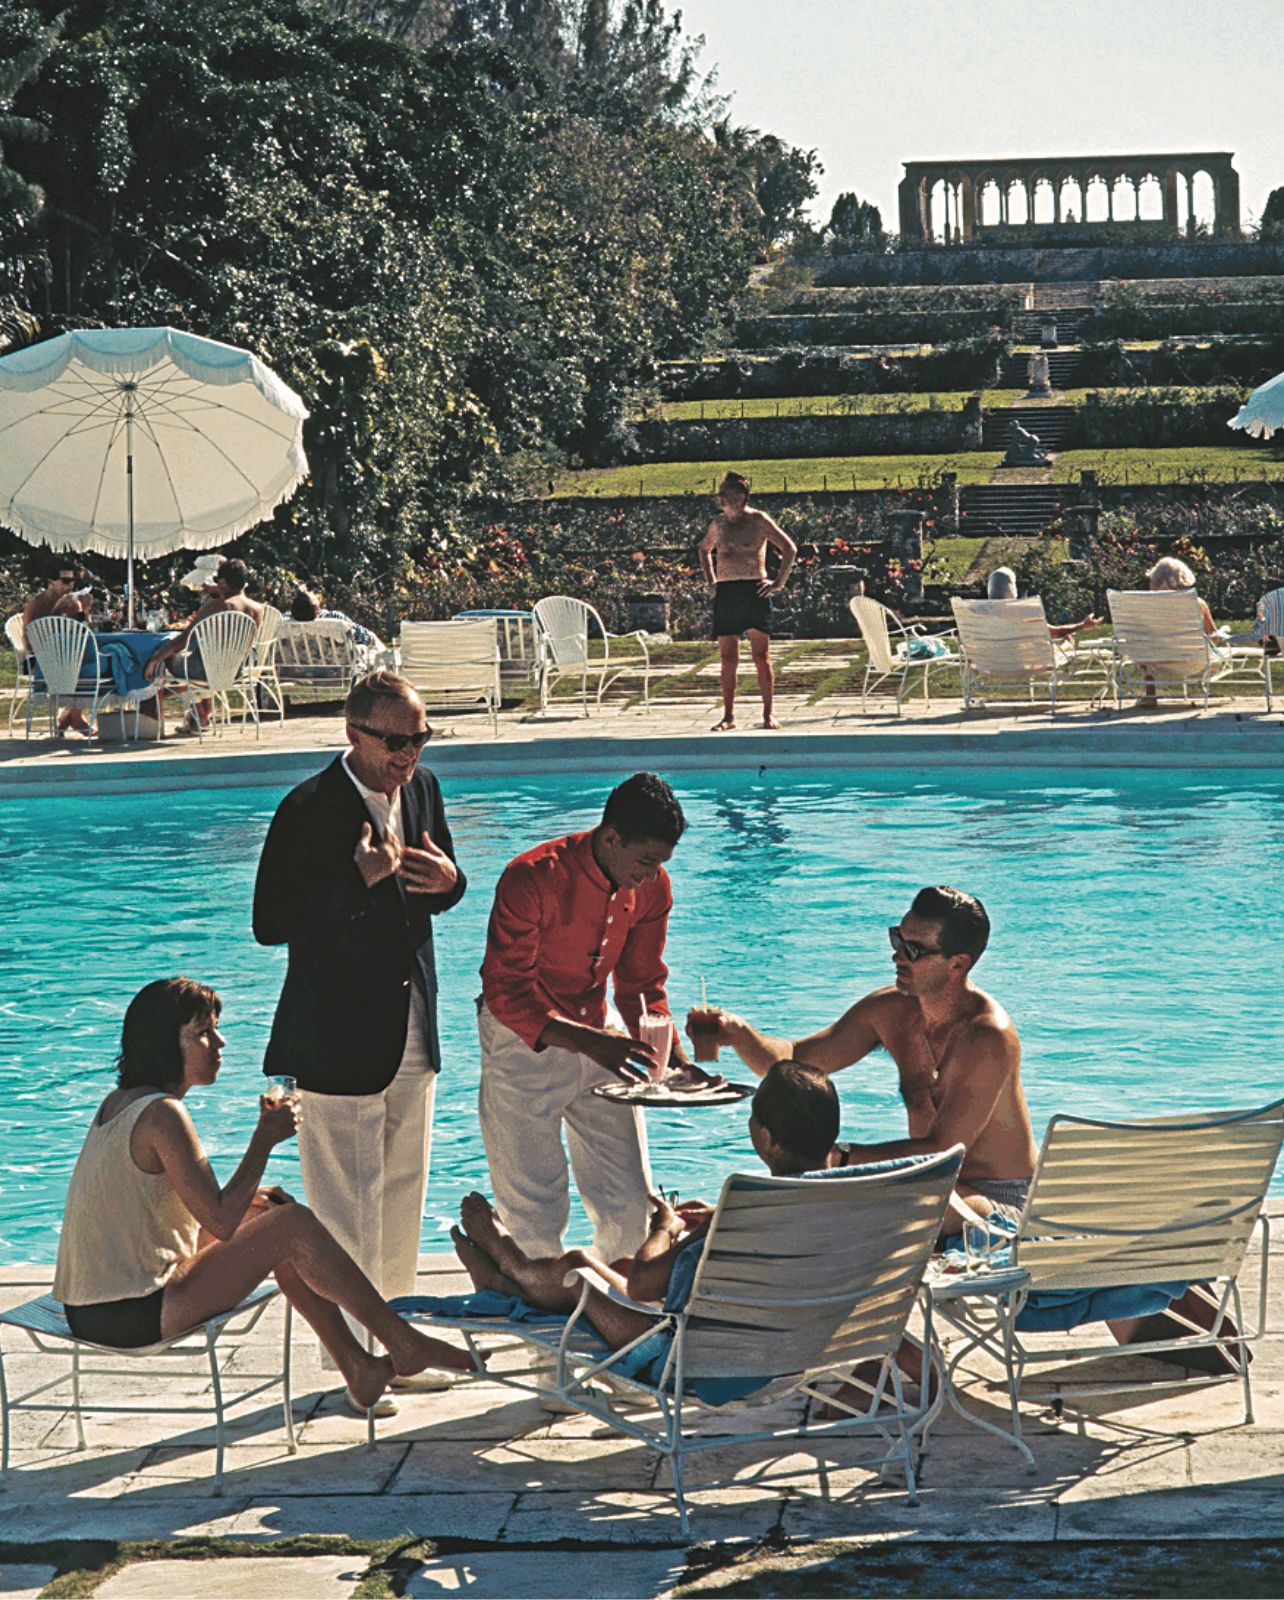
<point x="725" y="725"/>
<point x="368" y="1378"/>
<point x="770" y="722"/>
<point x="410" y="1351"/>
<point x="483" y="1227"/>
<point x="480" y="1268"/>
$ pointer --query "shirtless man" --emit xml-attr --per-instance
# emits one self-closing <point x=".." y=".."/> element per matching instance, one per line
<point x="61" y="598"/>
<point x="954" y="1046"/>
<point x="733" y="556"/>
<point x="228" y="594"/>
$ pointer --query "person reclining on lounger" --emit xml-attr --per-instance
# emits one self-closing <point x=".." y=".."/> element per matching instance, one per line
<point x="792" y="1125"/>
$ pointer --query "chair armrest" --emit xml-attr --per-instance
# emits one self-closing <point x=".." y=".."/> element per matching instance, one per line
<point x="594" y="1280"/>
<point x="641" y="636"/>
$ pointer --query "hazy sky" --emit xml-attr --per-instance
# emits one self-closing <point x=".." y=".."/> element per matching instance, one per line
<point x="869" y="84"/>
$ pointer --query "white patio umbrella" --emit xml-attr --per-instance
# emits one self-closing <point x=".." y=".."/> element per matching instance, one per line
<point x="137" y="442"/>
<point x="1263" y="412"/>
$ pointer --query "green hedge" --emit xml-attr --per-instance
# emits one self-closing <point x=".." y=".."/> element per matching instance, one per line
<point x="1144" y="321"/>
<point x="875" y="327"/>
<point x="996" y="297"/>
<point x="783" y="438"/>
<point x="967" y="364"/>
<point x="1154" y="417"/>
<point x="1246" y="362"/>
<point x="1178" y="291"/>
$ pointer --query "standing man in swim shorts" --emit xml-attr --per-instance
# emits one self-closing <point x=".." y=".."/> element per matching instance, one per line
<point x="733" y="556"/>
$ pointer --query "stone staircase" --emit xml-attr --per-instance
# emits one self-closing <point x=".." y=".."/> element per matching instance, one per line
<point x="1008" y="508"/>
<point x="1027" y="326"/>
<point x="1058" y="297"/>
<point x="1063" y="369"/>
<point x="1051" y="423"/>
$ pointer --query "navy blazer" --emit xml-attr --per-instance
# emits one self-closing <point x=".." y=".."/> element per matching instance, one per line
<point x="340" y="1025"/>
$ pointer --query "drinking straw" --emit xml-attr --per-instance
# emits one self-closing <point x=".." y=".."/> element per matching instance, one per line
<point x="704" y="996"/>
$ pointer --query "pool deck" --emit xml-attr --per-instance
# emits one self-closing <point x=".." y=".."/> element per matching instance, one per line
<point x="676" y="735"/>
<point x="485" y="1468"/>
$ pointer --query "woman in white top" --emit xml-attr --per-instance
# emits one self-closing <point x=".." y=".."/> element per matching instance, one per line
<point x="152" y="1244"/>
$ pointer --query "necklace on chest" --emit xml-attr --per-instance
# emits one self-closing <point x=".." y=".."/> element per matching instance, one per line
<point x="937" y="1056"/>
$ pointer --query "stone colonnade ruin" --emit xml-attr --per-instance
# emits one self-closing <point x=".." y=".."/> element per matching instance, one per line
<point x="956" y="202"/>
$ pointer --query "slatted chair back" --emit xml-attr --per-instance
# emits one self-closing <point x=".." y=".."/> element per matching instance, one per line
<point x="66" y="653"/>
<point x="871" y="618"/>
<point x="1161" y="630"/>
<point x="314" y="659"/>
<point x="452" y="662"/>
<point x="801" y="1275"/>
<point x="1007" y="640"/>
<point x="564" y="628"/>
<point x="1164" y="1200"/>
<point x="14" y="633"/>
<point x="270" y="620"/>
<point x="225" y="641"/>
<point x="1270" y="614"/>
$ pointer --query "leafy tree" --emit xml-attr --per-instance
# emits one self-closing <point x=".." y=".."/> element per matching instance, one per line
<point x="855" y="224"/>
<point x="774" y="180"/>
<point x="1272" y="223"/>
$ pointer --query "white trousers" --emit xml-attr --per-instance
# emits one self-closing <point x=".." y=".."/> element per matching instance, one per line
<point x="365" y="1167"/>
<point x="527" y="1096"/>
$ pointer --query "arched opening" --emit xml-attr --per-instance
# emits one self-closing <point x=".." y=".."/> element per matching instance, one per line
<point x="1071" y="198"/>
<point x="937" y="212"/>
<point x="1150" y="199"/>
<point x="1018" y="207"/>
<point x="1096" y="200"/>
<point x="987" y="211"/>
<point x="1045" y="202"/>
<point x="1123" y="200"/>
<point x="1203" y="202"/>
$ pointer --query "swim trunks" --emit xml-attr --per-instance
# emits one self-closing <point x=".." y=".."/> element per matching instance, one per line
<point x="738" y="606"/>
<point x="1006" y="1195"/>
<point x="122" y="1324"/>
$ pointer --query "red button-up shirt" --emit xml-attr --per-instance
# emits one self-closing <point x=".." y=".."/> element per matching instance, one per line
<point x="559" y="928"/>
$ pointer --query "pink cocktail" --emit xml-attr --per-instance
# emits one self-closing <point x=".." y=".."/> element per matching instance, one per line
<point x="656" y="1029"/>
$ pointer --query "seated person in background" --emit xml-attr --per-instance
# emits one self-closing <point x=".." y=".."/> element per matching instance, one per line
<point x="1002" y="585"/>
<point x="308" y="607"/>
<point x="792" y="1126"/>
<point x="1170" y="573"/>
<point x="228" y="595"/>
<point x="61" y="598"/>
<point x="153" y="1244"/>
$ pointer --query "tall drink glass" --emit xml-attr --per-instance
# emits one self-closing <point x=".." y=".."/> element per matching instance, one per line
<point x="656" y="1029"/>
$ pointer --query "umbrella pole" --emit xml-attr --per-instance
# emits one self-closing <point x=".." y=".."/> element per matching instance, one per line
<point x="129" y="500"/>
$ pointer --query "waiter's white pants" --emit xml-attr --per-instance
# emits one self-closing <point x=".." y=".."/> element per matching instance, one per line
<point x="526" y="1098"/>
<point x="365" y="1167"/>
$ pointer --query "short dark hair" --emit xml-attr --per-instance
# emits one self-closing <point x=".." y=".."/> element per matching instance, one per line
<point x="798" y="1107"/>
<point x="150" y="1054"/>
<point x="644" y="807"/>
<point x="736" y="481"/>
<point x="304" y="606"/>
<point x="965" y="925"/>
<point x="234" y="573"/>
<point x="376" y="688"/>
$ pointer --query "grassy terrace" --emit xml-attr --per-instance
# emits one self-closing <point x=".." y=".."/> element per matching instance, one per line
<point x="775" y="477"/>
<point x="1216" y="463"/>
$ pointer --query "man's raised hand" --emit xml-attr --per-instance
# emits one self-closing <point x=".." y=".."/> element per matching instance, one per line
<point x="427" y="871"/>
<point x="375" y="861"/>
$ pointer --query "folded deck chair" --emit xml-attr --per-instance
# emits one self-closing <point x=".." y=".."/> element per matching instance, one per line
<point x="1123" y="1216"/>
<point x="1160" y="642"/>
<point x="1008" y="650"/>
<point x="798" y="1280"/>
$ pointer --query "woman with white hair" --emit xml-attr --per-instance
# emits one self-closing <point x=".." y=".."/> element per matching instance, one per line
<point x="1170" y="573"/>
<point x="1002" y="585"/>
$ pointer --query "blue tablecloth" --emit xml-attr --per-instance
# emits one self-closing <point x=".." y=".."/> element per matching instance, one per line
<point x="126" y="653"/>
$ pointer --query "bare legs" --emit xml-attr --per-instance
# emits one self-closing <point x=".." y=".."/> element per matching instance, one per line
<point x="729" y="651"/>
<point x="318" y="1277"/>
<point x="493" y="1261"/>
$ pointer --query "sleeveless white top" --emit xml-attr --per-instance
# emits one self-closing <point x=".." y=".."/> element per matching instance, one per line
<point x="124" y="1230"/>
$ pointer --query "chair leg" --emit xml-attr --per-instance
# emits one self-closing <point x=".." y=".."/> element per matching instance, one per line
<point x="4" y="1422"/>
<point x="675" y="1467"/>
<point x="217" y="1380"/>
<point x="287" y="1399"/>
<point x="75" y="1397"/>
<point x="1245" y="1379"/>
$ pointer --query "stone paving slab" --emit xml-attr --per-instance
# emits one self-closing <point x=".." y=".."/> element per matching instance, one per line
<point x="498" y="1575"/>
<point x="234" y="1577"/>
<point x="386" y="1516"/>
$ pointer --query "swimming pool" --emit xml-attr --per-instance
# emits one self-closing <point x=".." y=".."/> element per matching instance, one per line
<point x="1134" y="944"/>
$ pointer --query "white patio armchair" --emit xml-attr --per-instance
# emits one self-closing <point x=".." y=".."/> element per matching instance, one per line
<point x="69" y="670"/>
<point x="1160" y="644"/>
<point x="259" y="675"/>
<point x="567" y="628"/>
<point x="14" y="632"/>
<point x="314" y="661"/>
<point x="1008" y="650"/>
<point x="225" y="642"/>
<point x="889" y="643"/>
<point x="453" y="663"/>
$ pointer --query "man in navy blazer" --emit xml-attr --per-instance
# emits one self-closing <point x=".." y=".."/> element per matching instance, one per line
<point x="358" y="860"/>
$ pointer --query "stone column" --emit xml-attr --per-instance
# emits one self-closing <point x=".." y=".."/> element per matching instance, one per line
<point x="1226" y="200"/>
<point x="969" y="208"/>
<point x="909" y="204"/>
<point x="1170" y="197"/>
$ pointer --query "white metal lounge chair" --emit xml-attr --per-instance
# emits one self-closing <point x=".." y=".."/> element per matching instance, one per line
<point x="224" y="642"/>
<point x="800" y="1278"/>
<point x="13" y="631"/>
<point x="45" y="1324"/>
<point x="889" y="642"/>
<point x="567" y="628"/>
<point x="1008" y="648"/>
<point x="67" y="659"/>
<point x="258" y="677"/>
<point x="315" y="661"/>
<point x="1161" y="645"/>
<point x="1166" y="1200"/>
<point x="453" y="663"/>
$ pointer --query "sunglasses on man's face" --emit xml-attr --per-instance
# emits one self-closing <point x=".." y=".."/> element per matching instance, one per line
<point x="396" y="741"/>
<point x="911" y="949"/>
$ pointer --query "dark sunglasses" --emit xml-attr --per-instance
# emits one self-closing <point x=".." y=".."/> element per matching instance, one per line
<point x="396" y="741"/>
<point x="910" y="948"/>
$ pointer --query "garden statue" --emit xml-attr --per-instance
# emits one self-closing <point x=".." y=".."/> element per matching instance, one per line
<point x="1024" y="449"/>
<point x="1038" y="378"/>
<point x="1048" y="335"/>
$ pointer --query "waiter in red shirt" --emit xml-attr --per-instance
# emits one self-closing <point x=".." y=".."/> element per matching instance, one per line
<point x="568" y="915"/>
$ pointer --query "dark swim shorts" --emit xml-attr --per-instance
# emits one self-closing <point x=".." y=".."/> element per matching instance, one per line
<point x="121" y="1324"/>
<point x="738" y="606"/>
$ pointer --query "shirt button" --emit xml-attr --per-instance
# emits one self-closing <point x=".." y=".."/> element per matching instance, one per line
<point x="584" y="1011"/>
<point x="610" y="920"/>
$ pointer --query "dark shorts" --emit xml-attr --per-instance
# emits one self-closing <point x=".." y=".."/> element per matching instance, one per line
<point x="738" y="606"/>
<point x="121" y="1324"/>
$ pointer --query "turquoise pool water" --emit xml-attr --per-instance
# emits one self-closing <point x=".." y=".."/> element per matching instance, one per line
<point x="1135" y="944"/>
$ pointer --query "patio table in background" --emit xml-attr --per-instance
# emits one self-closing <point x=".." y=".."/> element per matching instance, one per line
<point x="126" y="653"/>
